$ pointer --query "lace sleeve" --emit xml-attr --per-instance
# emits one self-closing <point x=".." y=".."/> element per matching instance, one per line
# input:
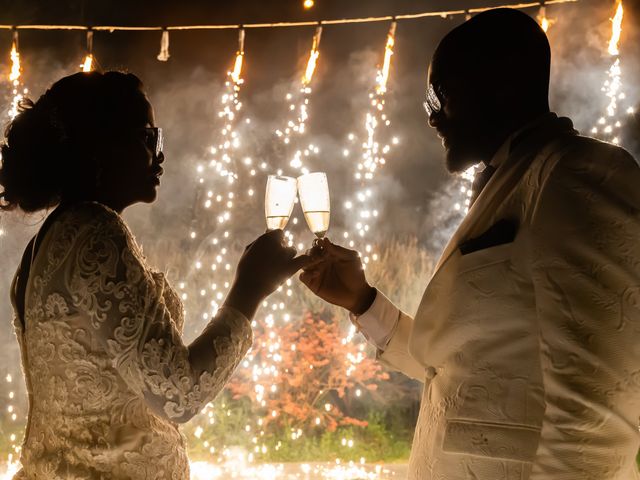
<point x="109" y="282"/>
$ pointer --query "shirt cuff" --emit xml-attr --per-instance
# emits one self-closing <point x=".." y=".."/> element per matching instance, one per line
<point x="379" y="322"/>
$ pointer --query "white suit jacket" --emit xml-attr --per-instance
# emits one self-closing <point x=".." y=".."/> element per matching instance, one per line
<point x="530" y="350"/>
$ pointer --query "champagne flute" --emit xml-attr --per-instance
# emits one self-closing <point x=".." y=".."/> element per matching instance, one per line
<point x="279" y="199"/>
<point x="313" y="189"/>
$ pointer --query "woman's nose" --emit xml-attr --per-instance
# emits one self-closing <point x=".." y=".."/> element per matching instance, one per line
<point x="160" y="157"/>
<point x="434" y="119"/>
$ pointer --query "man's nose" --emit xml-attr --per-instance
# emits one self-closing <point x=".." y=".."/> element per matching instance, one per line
<point x="160" y="158"/>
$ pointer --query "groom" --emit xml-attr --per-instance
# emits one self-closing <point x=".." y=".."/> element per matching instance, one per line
<point x="528" y="335"/>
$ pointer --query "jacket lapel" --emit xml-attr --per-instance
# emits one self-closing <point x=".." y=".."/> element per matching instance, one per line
<point x="505" y="179"/>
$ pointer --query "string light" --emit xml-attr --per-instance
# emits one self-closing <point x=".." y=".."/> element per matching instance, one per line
<point x="284" y="24"/>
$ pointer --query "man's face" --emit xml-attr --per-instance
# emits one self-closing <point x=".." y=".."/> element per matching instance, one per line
<point x="461" y="118"/>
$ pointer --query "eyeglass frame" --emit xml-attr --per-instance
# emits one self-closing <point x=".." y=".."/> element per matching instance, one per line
<point x="156" y="134"/>
<point x="433" y="103"/>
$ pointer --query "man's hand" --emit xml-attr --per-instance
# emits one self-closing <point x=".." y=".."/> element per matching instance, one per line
<point x="337" y="276"/>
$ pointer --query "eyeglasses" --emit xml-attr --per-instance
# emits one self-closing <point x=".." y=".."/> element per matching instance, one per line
<point x="154" y="139"/>
<point x="433" y="104"/>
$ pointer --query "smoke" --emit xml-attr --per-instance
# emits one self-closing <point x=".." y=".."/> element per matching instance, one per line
<point x="580" y="61"/>
<point x="413" y="193"/>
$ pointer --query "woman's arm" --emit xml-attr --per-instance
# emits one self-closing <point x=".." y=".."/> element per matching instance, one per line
<point x="107" y="280"/>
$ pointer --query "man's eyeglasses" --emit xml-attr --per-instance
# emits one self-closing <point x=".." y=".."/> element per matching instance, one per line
<point x="433" y="104"/>
<point x="154" y="139"/>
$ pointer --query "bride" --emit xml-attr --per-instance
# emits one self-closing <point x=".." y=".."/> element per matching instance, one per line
<point x="108" y="375"/>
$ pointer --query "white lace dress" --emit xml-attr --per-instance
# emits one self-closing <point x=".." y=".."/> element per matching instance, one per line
<point x="108" y="375"/>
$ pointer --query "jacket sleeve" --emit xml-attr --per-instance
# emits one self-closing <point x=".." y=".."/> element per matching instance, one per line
<point x="585" y="266"/>
<point x="388" y="329"/>
<point x="109" y="283"/>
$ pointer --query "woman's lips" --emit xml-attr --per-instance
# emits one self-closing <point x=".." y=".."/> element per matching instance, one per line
<point x="156" y="176"/>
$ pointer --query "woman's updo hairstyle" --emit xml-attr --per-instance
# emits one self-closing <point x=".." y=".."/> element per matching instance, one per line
<point x="53" y="148"/>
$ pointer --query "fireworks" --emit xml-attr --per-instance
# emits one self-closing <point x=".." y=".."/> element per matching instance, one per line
<point x="18" y="92"/>
<point x="313" y="57"/>
<point x="616" y="30"/>
<point x="374" y="151"/>
<point x="543" y="20"/>
<point x="87" y="64"/>
<point x="609" y="124"/>
<point x="299" y="111"/>
<point x="383" y="74"/>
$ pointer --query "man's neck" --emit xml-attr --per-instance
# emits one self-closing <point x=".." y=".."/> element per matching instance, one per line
<point x="509" y="129"/>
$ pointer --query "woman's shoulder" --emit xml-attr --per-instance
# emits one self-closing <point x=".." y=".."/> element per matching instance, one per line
<point x="94" y="215"/>
<point x="87" y="222"/>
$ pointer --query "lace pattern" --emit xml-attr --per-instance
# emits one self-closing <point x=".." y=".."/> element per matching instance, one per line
<point x="107" y="372"/>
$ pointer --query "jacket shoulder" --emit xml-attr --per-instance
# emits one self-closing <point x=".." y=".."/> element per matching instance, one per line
<point x="586" y="157"/>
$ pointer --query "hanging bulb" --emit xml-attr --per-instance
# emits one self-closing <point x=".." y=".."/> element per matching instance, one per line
<point x="307" y="4"/>
<point x="163" y="56"/>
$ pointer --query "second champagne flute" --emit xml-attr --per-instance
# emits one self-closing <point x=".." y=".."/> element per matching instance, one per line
<point x="313" y="189"/>
<point x="279" y="199"/>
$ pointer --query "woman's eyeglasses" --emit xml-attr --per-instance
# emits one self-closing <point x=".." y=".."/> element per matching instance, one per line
<point x="433" y="104"/>
<point x="153" y="139"/>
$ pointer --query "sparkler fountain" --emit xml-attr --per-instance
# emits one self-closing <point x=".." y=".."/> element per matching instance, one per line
<point x="18" y="93"/>
<point x="266" y="373"/>
<point x="88" y="62"/>
<point x="608" y="125"/>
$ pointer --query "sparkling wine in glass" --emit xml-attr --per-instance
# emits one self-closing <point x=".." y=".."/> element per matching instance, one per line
<point x="313" y="189"/>
<point x="279" y="199"/>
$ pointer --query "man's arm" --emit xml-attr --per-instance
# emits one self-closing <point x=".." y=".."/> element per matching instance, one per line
<point x="339" y="279"/>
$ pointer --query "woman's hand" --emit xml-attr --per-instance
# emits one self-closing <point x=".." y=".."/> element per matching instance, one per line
<point x="336" y="275"/>
<point x="264" y="266"/>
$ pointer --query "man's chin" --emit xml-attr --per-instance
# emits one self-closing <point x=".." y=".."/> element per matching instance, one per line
<point x="457" y="161"/>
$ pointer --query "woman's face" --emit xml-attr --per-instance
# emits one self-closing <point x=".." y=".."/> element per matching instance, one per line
<point x="132" y="173"/>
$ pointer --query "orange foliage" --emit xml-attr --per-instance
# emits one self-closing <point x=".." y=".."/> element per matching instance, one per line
<point x="318" y="371"/>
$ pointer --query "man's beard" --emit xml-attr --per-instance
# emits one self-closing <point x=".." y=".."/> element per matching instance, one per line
<point x="457" y="160"/>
